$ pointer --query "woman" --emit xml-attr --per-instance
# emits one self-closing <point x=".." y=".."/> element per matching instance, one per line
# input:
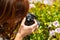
<point x="12" y="12"/>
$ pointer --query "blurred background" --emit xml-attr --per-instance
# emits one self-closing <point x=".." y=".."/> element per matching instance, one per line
<point x="48" y="13"/>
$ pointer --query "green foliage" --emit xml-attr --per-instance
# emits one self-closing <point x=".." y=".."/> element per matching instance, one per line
<point x="45" y="14"/>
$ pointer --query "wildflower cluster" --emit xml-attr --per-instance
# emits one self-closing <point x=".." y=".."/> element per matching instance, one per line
<point x="49" y="17"/>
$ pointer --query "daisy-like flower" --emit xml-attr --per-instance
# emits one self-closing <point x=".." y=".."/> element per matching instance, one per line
<point x="56" y="23"/>
<point x="57" y="30"/>
<point x="31" y="6"/>
<point x="52" y="32"/>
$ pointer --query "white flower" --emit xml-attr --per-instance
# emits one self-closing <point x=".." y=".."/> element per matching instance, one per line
<point x="35" y="1"/>
<point x="57" y="30"/>
<point x="31" y="6"/>
<point x="49" y="2"/>
<point x="30" y="1"/>
<point x="52" y="32"/>
<point x="56" y="23"/>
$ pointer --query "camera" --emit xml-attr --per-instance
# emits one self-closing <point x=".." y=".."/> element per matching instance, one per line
<point x="30" y="19"/>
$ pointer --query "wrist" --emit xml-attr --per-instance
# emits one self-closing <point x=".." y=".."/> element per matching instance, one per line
<point x="19" y="36"/>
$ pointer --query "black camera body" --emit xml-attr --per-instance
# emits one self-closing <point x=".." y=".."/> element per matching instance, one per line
<point x="30" y="19"/>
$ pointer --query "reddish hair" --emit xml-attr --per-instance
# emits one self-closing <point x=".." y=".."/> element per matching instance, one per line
<point x="11" y="12"/>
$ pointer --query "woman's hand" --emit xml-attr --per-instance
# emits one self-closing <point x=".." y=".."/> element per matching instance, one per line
<point x="26" y="30"/>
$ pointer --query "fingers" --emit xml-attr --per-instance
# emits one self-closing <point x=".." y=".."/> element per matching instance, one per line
<point x="23" y="21"/>
<point x="34" y="26"/>
<point x="34" y="29"/>
<point x="31" y="26"/>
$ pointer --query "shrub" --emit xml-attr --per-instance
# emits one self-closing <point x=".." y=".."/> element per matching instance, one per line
<point x="47" y="15"/>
